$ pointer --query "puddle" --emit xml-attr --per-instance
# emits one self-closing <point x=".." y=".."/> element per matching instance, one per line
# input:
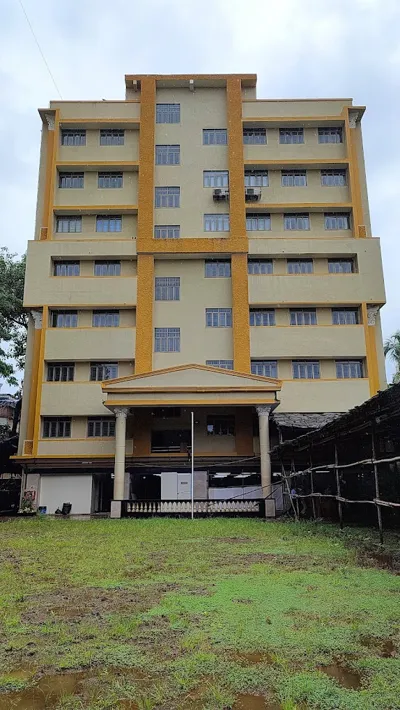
<point x="45" y="694"/>
<point x="345" y="677"/>
<point x="20" y="674"/>
<point x="254" y="702"/>
<point x="250" y="659"/>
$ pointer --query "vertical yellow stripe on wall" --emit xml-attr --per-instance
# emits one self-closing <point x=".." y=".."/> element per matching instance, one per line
<point x="370" y="347"/>
<point x="240" y="298"/>
<point x="354" y="178"/>
<point x="40" y="372"/>
<point x="37" y="336"/>
<point x="144" y="314"/>
<point x="145" y="262"/>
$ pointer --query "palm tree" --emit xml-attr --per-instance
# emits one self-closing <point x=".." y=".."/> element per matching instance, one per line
<point x="392" y="348"/>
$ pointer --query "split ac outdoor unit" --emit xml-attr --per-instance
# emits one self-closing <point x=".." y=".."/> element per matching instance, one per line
<point x="221" y="193"/>
<point x="252" y="194"/>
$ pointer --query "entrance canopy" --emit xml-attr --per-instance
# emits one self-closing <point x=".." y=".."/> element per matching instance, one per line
<point x="196" y="385"/>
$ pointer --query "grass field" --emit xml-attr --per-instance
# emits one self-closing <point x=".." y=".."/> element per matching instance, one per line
<point x="175" y="614"/>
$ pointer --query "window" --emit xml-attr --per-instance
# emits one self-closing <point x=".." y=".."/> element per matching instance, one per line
<point x="112" y="136"/>
<point x="306" y="369"/>
<point x="265" y="368"/>
<point x="291" y="135"/>
<point x="69" y="225"/>
<point x="105" y="319"/>
<point x="253" y="136"/>
<point x="333" y="178"/>
<point x="66" y="268"/>
<point x="168" y="113"/>
<point x="336" y="220"/>
<point x="256" y="178"/>
<point x="349" y="369"/>
<point x="215" y="178"/>
<point x="167" y="288"/>
<point x="105" y="223"/>
<point x="56" y="427"/>
<point x="217" y="268"/>
<point x="100" y="371"/>
<point x="107" y="268"/>
<point x="73" y="137"/>
<point x="216" y="223"/>
<point x="64" y="319"/>
<point x="345" y="316"/>
<point x="300" y="266"/>
<point x="296" y="221"/>
<point x="168" y="196"/>
<point x="331" y="134"/>
<point x="168" y="154"/>
<point x="167" y="340"/>
<point x="294" y="178"/>
<point x="222" y="364"/>
<point x="220" y="425"/>
<point x="60" y="372"/>
<point x="167" y="231"/>
<point x="262" y="316"/>
<point x="303" y="316"/>
<point x="101" y="426"/>
<point x="258" y="222"/>
<point x="260" y="266"/>
<point x="166" y="412"/>
<point x="215" y="136"/>
<point x="340" y="266"/>
<point x="219" y="317"/>
<point x="110" y="180"/>
<point x="70" y="180"/>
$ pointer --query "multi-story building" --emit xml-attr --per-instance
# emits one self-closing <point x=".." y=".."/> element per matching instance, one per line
<point x="196" y="249"/>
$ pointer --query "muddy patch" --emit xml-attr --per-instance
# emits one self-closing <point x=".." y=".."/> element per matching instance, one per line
<point x="384" y="560"/>
<point x="346" y="677"/>
<point x="252" y="658"/>
<point x="75" y="604"/>
<point x="254" y="702"/>
<point x="384" y="648"/>
<point x="290" y="562"/>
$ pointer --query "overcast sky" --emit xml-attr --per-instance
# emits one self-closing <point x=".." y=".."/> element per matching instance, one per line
<point x="298" y="48"/>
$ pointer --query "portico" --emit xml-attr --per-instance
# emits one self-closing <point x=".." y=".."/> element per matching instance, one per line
<point x="224" y="401"/>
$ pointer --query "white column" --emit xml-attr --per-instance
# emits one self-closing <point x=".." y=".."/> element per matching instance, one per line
<point x="263" y="412"/>
<point x="121" y="414"/>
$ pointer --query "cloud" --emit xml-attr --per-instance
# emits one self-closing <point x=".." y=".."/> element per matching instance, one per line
<point x="299" y="49"/>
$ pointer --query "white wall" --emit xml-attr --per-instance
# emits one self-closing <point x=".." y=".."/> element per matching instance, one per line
<point x="56" y="490"/>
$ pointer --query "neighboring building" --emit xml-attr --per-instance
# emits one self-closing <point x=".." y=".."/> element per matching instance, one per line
<point x="7" y="408"/>
<point x="196" y="249"/>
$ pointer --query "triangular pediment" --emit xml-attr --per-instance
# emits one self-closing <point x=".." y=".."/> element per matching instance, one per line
<point x="192" y="377"/>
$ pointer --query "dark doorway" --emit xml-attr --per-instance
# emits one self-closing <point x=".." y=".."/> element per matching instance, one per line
<point x="170" y="441"/>
<point x="103" y="488"/>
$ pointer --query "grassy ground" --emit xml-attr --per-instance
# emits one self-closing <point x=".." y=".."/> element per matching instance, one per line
<point x="175" y="614"/>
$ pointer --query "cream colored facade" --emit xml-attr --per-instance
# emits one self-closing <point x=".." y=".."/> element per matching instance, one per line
<point x="78" y="226"/>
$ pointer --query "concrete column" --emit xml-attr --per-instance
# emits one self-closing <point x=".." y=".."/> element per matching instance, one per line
<point x="263" y="412"/>
<point x="121" y="414"/>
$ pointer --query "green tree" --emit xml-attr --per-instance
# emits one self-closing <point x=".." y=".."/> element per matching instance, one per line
<point x="392" y="348"/>
<point x="13" y="318"/>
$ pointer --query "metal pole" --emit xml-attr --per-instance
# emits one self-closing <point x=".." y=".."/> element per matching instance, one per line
<point x="340" y="511"/>
<point x="375" y="466"/>
<point x="192" y="460"/>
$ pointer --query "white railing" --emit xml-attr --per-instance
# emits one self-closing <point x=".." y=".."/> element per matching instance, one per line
<point x="184" y="507"/>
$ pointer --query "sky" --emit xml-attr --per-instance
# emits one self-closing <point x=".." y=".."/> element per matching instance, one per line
<point x="298" y="48"/>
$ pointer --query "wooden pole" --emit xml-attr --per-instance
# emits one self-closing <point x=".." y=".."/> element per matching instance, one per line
<point x="293" y="470"/>
<point x="375" y="468"/>
<point x="340" y="509"/>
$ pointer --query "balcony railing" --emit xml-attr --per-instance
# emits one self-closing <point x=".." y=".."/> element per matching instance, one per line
<point x="183" y="508"/>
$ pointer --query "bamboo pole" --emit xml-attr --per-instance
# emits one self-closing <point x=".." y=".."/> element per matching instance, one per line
<point x="375" y="469"/>
<point x="312" y="485"/>
<point x="340" y="509"/>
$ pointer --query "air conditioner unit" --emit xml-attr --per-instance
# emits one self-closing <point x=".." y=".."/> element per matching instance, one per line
<point x="221" y="193"/>
<point x="252" y="194"/>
